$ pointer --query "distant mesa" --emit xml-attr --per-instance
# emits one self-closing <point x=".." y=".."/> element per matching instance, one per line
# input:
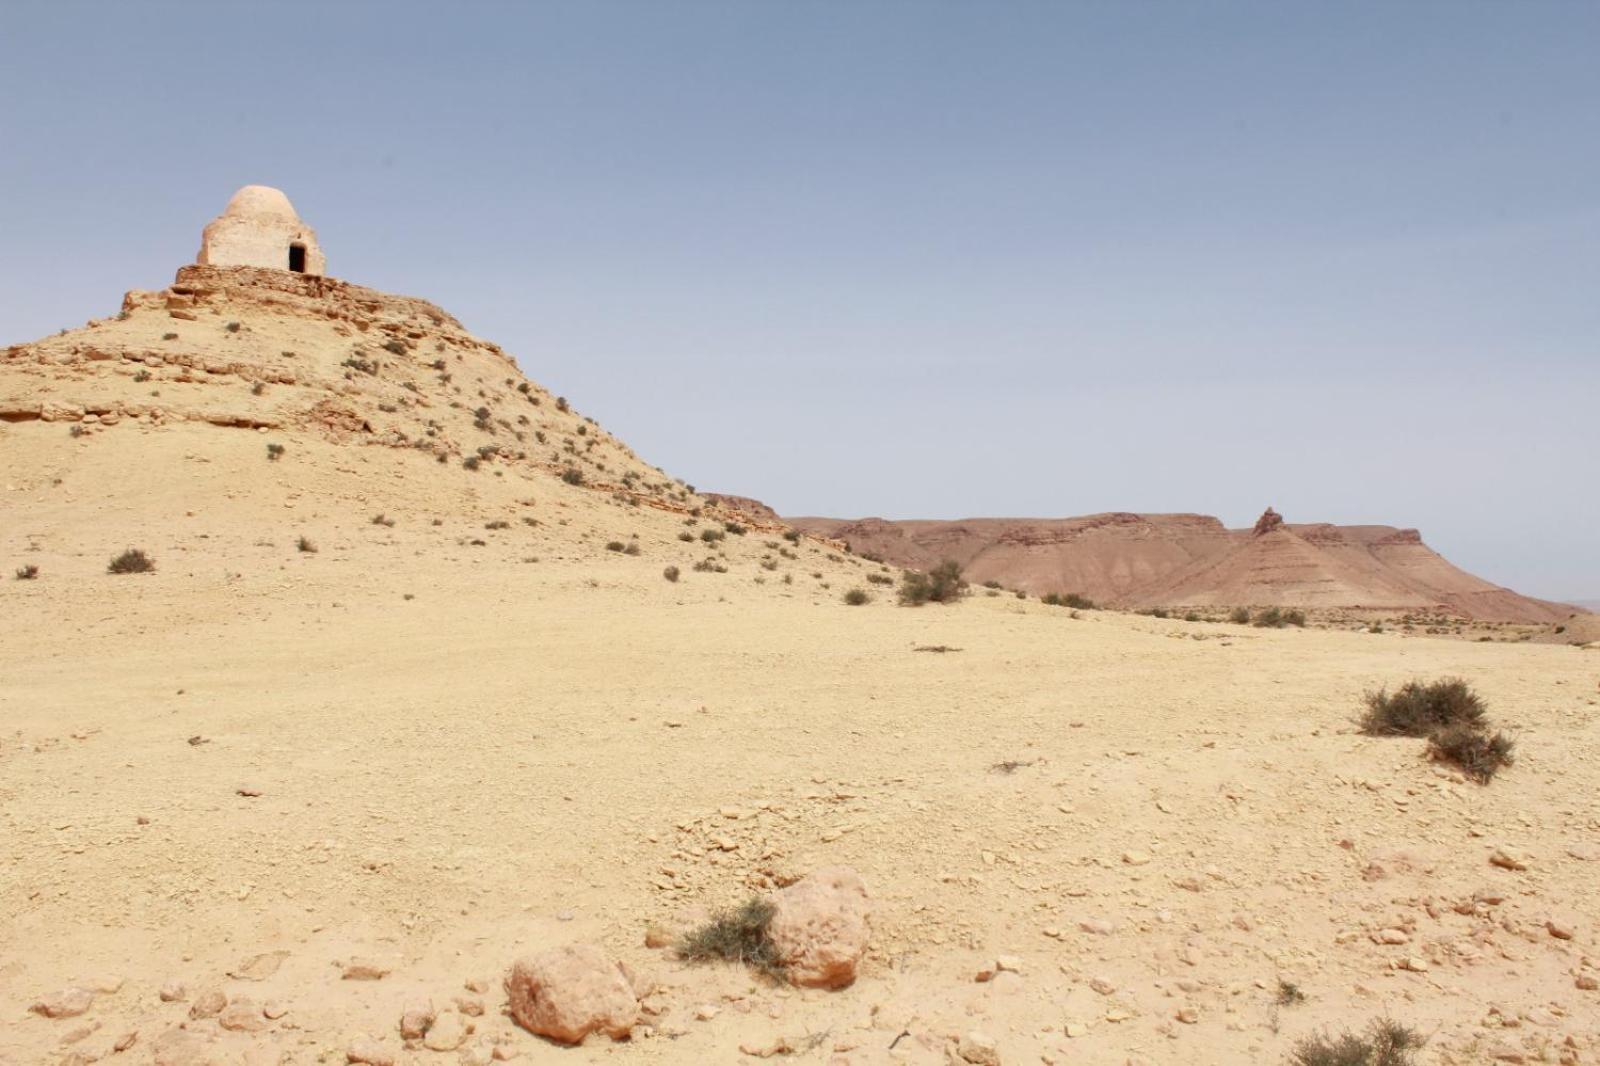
<point x="1188" y="560"/>
<point x="260" y="228"/>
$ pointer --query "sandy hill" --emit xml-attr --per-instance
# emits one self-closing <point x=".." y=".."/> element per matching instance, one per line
<point x="268" y="806"/>
<point x="1171" y="560"/>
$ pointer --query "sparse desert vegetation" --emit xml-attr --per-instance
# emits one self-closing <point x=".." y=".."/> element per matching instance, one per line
<point x="131" y="561"/>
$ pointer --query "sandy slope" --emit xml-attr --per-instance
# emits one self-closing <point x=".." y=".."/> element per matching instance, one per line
<point x="463" y="750"/>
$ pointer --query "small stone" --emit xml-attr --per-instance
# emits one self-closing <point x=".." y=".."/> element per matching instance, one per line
<point x="979" y="1049"/>
<point x="209" y="1004"/>
<point x="1414" y="963"/>
<point x="1075" y="1029"/>
<point x="477" y="984"/>
<point x="1508" y="858"/>
<point x="1008" y="963"/>
<point x="174" y="992"/>
<point x="365" y="970"/>
<point x="126" y="1041"/>
<point x="448" y="1032"/>
<point x="1102" y="985"/>
<point x="242" y="1016"/>
<point x="274" y="1009"/>
<point x="259" y="967"/>
<point x="1135" y="858"/>
<point x="657" y="937"/>
<point x="109" y="984"/>
<point x="1187" y="1015"/>
<point x="368" y="1052"/>
<point x="471" y="1006"/>
<point x="67" y="1003"/>
<point x="1097" y="926"/>
<point x="1587" y="982"/>
<point x="415" y="1020"/>
<point x="820" y="927"/>
<point x="705" y="1012"/>
<point x="1391" y="936"/>
<point x="1559" y="928"/>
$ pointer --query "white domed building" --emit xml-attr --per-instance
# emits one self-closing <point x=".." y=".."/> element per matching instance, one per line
<point x="259" y="228"/>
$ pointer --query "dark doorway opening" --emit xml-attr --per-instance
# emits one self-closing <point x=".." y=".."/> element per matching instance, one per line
<point x="297" y="258"/>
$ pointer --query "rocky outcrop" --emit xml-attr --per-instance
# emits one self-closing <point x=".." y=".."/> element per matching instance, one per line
<point x="1269" y="521"/>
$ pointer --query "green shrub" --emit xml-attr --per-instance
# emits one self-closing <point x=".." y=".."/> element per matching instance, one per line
<point x="132" y="561"/>
<point x="1418" y="709"/>
<point x="305" y="545"/>
<point x="395" y="346"/>
<point x="792" y="536"/>
<point x="27" y="573"/>
<point x="615" y="546"/>
<point x="572" y="476"/>
<point x="740" y="935"/>
<point x="382" y="520"/>
<point x="274" y="452"/>
<point x="857" y="597"/>
<point x="1271" y="618"/>
<point x="879" y="579"/>
<point x="1239" y="616"/>
<point x="942" y="584"/>
<point x="670" y="573"/>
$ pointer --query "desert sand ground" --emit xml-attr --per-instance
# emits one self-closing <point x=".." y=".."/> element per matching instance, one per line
<point x="473" y="730"/>
<point x="461" y="753"/>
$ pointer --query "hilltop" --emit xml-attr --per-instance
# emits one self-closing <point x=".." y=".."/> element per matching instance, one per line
<point x="1190" y="560"/>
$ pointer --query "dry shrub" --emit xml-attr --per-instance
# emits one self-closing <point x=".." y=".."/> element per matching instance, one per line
<point x="739" y="935"/>
<point x="1418" y="709"/>
<point x="1385" y="1043"/>
<point x="1478" y="754"/>
<point x="132" y="561"/>
<point x="942" y="584"/>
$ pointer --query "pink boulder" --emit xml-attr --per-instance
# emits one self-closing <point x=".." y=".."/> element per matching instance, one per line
<point x="569" y="992"/>
<point x="819" y="927"/>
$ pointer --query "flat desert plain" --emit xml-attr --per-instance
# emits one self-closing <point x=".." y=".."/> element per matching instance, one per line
<point x="424" y="756"/>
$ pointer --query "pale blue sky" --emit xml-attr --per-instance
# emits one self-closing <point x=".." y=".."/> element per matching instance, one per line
<point x="911" y="259"/>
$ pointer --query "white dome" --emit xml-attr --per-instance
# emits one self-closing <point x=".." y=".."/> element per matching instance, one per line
<point x="262" y="202"/>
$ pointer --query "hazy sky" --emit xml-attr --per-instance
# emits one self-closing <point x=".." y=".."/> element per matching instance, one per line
<point x="911" y="259"/>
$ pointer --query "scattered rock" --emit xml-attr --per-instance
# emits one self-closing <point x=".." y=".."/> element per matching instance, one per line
<point x="183" y="1047"/>
<point x="67" y="1003"/>
<point x="448" y="1032"/>
<point x="1509" y="858"/>
<point x="414" y="1021"/>
<point x="242" y="1016"/>
<point x="569" y="992"/>
<point x="820" y="927"/>
<point x="1135" y="858"/>
<point x="174" y="992"/>
<point x="1559" y="928"/>
<point x="208" y="1004"/>
<point x="365" y="970"/>
<point x="979" y="1048"/>
<point x="1097" y="926"/>
<point x="1187" y="1015"/>
<point x="369" y="1052"/>
<point x="1391" y="936"/>
<point x="1008" y="963"/>
<point x="259" y="967"/>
